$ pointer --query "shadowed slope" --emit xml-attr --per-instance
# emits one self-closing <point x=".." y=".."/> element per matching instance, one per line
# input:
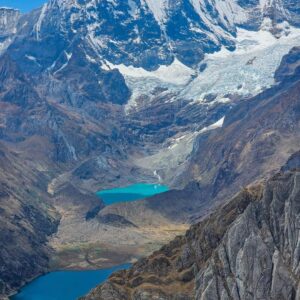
<point x="26" y="221"/>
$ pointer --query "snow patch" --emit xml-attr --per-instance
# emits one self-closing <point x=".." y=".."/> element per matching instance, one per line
<point x="158" y="8"/>
<point x="176" y="73"/>
<point x="38" y="25"/>
<point x="218" y="124"/>
<point x="90" y="59"/>
<point x="30" y="57"/>
<point x="229" y="14"/>
<point x="155" y="173"/>
<point x="68" y="56"/>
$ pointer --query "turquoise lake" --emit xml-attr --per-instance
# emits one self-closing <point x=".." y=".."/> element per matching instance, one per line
<point x="65" y="285"/>
<point x="131" y="193"/>
<point x="69" y="285"/>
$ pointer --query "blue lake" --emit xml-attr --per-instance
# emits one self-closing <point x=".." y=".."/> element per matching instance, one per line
<point x="65" y="285"/>
<point x="69" y="285"/>
<point x="131" y="193"/>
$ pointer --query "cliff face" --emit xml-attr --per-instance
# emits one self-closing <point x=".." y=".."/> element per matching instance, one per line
<point x="8" y="20"/>
<point x="247" y="249"/>
<point x="258" y="257"/>
<point x="8" y="26"/>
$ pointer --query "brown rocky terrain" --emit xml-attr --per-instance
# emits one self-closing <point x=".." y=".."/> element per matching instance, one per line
<point x="27" y="219"/>
<point x="246" y="249"/>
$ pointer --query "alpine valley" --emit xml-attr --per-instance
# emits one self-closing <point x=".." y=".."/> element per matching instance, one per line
<point x="200" y="96"/>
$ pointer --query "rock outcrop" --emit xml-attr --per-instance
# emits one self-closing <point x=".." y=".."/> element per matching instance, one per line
<point x="9" y="19"/>
<point x="247" y="249"/>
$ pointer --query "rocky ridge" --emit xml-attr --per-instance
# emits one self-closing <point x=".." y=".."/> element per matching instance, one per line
<point x="247" y="249"/>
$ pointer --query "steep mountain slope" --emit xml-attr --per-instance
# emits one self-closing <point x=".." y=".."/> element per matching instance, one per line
<point x="247" y="249"/>
<point x="258" y="135"/>
<point x="256" y="138"/>
<point x="36" y="136"/>
<point x="80" y="57"/>
<point x="28" y="119"/>
<point x="26" y="222"/>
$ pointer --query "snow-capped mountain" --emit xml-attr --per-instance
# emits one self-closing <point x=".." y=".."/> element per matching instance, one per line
<point x="140" y="54"/>
<point x="147" y="33"/>
<point x="170" y="43"/>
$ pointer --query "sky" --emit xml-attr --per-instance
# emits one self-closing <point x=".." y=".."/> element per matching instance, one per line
<point x="23" y="5"/>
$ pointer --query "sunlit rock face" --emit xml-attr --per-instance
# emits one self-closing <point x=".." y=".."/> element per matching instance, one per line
<point x="8" y="20"/>
<point x="8" y="26"/>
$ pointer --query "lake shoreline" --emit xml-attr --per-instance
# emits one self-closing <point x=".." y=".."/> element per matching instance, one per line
<point x="22" y="295"/>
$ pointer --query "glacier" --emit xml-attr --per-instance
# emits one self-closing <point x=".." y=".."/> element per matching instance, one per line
<point x="246" y="71"/>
